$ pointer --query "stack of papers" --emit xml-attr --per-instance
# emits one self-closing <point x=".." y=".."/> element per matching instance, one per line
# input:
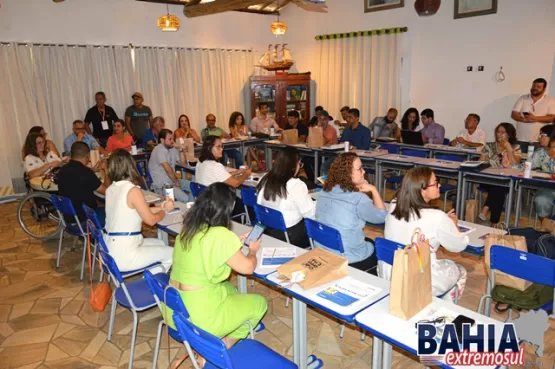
<point x="150" y="198"/>
<point x="173" y="217"/>
<point x="276" y="256"/>
<point x="348" y="291"/>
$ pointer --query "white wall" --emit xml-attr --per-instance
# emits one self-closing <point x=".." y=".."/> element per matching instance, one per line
<point x="520" y="37"/>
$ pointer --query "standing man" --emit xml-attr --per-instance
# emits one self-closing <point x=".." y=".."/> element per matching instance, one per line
<point x="356" y="134"/>
<point x="262" y="123"/>
<point x="531" y="112"/>
<point x="161" y="167"/>
<point x="432" y="132"/>
<point x="472" y="135"/>
<point x="330" y="134"/>
<point x="138" y="117"/>
<point x="80" y="135"/>
<point x="385" y="126"/>
<point x="150" y="136"/>
<point x="102" y="117"/>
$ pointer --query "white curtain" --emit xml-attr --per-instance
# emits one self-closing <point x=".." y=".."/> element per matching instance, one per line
<point x="361" y="72"/>
<point x="53" y="85"/>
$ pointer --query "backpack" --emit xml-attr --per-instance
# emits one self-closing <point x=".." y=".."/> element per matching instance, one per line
<point x="538" y="243"/>
<point x="532" y="298"/>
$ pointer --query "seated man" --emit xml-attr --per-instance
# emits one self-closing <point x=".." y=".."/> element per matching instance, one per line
<point x="356" y="134"/>
<point x="293" y="122"/>
<point x="471" y="136"/>
<point x="432" y="132"/>
<point x="385" y="126"/>
<point x="150" y="136"/>
<point x="162" y="167"/>
<point x="80" y="135"/>
<point x="78" y="182"/>
<point x="330" y="134"/>
<point x="263" y="122"/>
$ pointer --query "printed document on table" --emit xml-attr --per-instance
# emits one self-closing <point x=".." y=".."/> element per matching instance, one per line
<point x="348" y="291"/>
<point x="276" y="256"/>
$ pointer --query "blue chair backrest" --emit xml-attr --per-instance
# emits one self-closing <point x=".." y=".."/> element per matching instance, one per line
<point x="96" y="234"/>
<point x="108" y="262"/>
<point x="446" y="141"/>
<point x="460" y="158"/>
<point x="248" y="195"/>
<point x="530" y="267"/>
<point x="392" y="149"/>
<point x="173" y="299"/>
<point x="270" y="217"/>
<point x="197" y="189"/>
<point x="206" y="345"/>
<point x="385" y="250"/>
<point x="90" y="214"/>
<point x="415" y="153"/>
<point x="324" y="235"/>
<point x="63" y="205"/>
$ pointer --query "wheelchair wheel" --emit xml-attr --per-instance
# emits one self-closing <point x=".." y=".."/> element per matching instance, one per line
<point x="38" y="217"/>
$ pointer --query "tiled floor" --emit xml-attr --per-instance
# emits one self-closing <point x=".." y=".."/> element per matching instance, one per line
<point x="46" y="321"/>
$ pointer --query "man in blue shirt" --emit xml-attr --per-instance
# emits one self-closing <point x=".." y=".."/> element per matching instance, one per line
<point x="150" y="136"/>
<point x="81" y="135"/>
<point x="355" y="133"/>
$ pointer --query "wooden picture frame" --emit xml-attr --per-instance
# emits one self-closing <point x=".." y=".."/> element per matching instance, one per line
<point x="377" y="5"/>
<point x="474" y="8"/>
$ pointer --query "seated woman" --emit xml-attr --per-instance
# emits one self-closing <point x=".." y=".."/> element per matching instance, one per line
<point x="544" y="160"/>
<point x="280" y="190"/>
<point x="345" y="205"/>
<point x="49" y="144"/>
<point x="184" y="129"/>
<point x="411" y="209"/>
<point x="126" y="210"/>
<point x="410" y="120"/>
<point x="237" y="128"/>
<point x="120" y="139"/>
<point x="503" y="153"/>
<point x="39" y="160"/>
<point x="204" y="255"/>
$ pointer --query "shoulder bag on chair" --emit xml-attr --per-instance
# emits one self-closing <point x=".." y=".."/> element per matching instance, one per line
<point x="101" y="294"/>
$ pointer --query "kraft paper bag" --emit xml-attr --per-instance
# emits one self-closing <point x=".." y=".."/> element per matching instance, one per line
<point x="471" y="211"/>
<point x="315" y="137"/>
<point x="513" y="242"/>
<point x="290" y="136"/>
<point x="188" y="145"/>
<point x="548" y="225"/>
<point x="317" y="266"/>
<point x="411" y="279"/>
<point x="95" y="157"/>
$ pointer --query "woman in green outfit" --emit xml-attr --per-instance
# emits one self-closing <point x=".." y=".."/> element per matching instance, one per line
<point x="204" y="255"/>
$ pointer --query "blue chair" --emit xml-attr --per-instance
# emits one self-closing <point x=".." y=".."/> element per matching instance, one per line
<point x="415" y="153"/>
<point x="459" y="158"/>
<point x="446" y="141"/>
<point x="447" y="188"/>
<point x="246" y="354"/>
<point x="271" y="218"/>
<point x="396" y="180"/>
<point x="385" y="252"/>
<point x="248" y="195"/>
<point x="64" y="206"/>
<point x="90" y="214"/>
<point x="530" y="267"/>
<point x="392" y="149"/>
<point x="134" y="296"/>
<point x="197" y="189"/>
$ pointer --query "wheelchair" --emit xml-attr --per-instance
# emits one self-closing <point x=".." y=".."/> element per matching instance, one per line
<point x="36" y="213"/>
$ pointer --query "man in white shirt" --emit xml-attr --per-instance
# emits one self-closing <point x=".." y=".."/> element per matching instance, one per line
<point x="262" y="123"/>
<point x="471" y="136"/>
<point x="532" y="111"/>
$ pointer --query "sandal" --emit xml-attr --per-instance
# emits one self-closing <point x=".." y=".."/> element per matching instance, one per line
<point x="201" y="362"/>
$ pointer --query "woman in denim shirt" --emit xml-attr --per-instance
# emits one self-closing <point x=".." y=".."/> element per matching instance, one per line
<point x="345" y="205"/>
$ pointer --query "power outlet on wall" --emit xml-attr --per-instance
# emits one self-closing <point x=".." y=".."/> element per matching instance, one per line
<point x="480" y="68"/>
<point x="469" y="68"/>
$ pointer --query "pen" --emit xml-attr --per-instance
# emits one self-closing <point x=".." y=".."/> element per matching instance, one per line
<point x="274" y="254"/>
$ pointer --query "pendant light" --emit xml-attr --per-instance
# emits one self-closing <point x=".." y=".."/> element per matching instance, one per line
<point x="168" y="22"/>
<point x="278" y="28"/>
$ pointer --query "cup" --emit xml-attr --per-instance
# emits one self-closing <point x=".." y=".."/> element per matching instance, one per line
<point x="346" y="146"/>
<point x="272" y="131"/>
<point x="189" y="205"/>
<point x="133" y="149"/>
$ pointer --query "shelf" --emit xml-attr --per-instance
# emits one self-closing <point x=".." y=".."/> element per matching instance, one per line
<point x="296" y="101"/>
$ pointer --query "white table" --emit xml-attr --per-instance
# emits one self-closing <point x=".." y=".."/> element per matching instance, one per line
<point x="402" y="333"/>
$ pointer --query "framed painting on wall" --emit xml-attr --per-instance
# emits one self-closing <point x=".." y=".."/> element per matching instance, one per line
<point x="473" y="8"/>
<point x="376" y="5"/>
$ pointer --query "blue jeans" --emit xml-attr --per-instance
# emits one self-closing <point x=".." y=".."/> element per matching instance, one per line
<point x="235" y="155"/>
<point x="544" y="202"/>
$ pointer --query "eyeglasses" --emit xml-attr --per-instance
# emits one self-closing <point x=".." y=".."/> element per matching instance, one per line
<point x="435" y="184"/>
<point x="437" y="322"/>
<point x="210" y="120"/>
<point x="301" y="164"/>
<point x="542" y="135"/>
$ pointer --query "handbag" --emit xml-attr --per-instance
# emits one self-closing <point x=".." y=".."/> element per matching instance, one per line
<point x="101" y="294"/>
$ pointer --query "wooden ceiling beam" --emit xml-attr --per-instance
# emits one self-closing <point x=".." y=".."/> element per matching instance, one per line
<point x="218" y="6"/>
<point x="254" y="11"/>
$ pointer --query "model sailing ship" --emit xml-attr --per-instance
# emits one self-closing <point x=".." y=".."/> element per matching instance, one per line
<point x="276" y="58"/>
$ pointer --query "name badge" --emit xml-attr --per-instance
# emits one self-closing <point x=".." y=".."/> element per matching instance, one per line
<point x="105" y="125"/>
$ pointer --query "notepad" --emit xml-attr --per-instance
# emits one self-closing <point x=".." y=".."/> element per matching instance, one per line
<point x="276" y="256"/>
<point x="347" y="292"/>
<point x="472" y="164"/>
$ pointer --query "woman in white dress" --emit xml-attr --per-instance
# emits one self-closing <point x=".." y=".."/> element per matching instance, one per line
<point x="410" y="210"/>
<point x="39" y="160"/>
<point x="126" y="210"/>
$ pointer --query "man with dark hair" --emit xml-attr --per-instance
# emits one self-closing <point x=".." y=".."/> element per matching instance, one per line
<point x="78" y="182"/>
<point x="432" y="132"/>
<point x="532" y="111"/>
<point x="471" y="135"/>
<point x="385" y="126"/>
<point x="355" y="133"/>
<point x="263" y="122"/>
<point x="150" y="136"/>
<point x="293" y="122"/>
<point x="138" y="117"/>
<point x="80" y="135"/>
<point x="101" y="116"/>
<point x="314" y="120"/>
<point x="161" y="167"/>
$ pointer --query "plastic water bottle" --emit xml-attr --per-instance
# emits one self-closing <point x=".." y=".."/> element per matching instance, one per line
<point x="250" y="135"/>
<point x="272" y="131"/>
<point x="530" y="151"/>
<point x="346" y="146"/>
<point x="168" y="192"/>
<point x="133" y="149"/>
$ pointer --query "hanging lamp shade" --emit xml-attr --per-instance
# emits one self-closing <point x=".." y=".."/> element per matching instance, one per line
<point x="168" y="23"/>
<point x="278" y="28"/>
<point x="426" y="7"/>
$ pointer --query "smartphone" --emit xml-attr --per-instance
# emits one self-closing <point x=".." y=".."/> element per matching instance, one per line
<point x="459" y="321"/>
<point x="256" y="233"/>
<point x="525" y="113"/>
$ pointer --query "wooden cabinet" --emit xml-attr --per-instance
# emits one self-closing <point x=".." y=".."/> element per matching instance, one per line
<point x="283" y="93"/>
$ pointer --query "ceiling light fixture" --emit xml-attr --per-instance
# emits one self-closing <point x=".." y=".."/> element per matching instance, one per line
<point x="168" y="22"/>
<point x="278" y="28"/>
